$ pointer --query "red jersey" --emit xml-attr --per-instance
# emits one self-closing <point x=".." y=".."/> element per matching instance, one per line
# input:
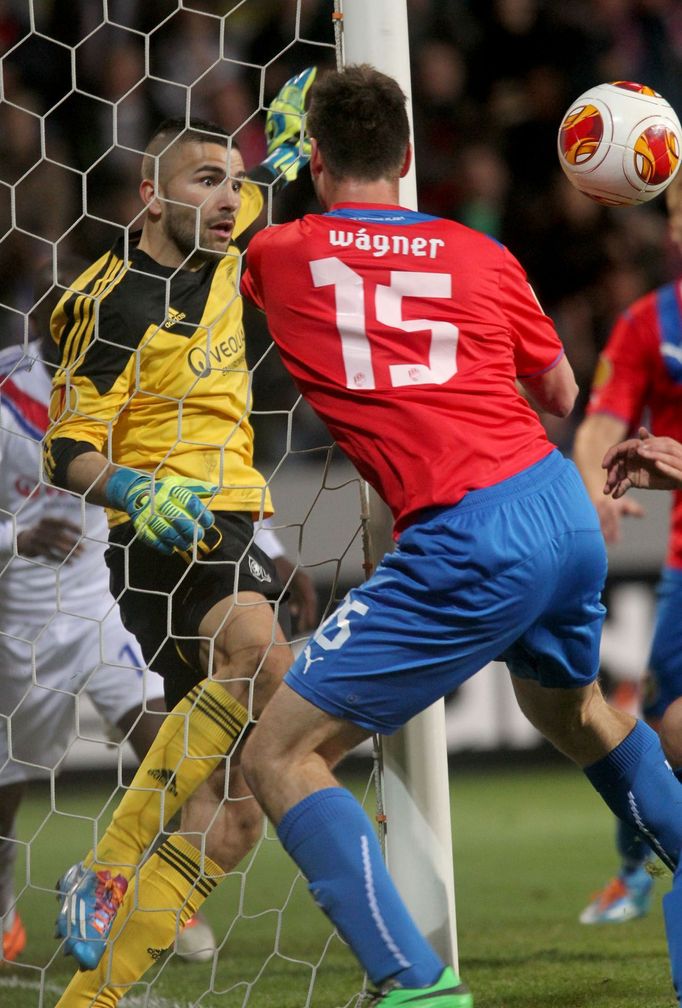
<point x="406" y="334"/>
<point x="640" y="370"/>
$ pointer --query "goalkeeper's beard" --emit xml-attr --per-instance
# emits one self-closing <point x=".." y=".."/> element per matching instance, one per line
<point x="180" y="228"/>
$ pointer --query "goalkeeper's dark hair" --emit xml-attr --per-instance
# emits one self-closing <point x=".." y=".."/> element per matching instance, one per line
<point x="358" y="117"/>
<point x="179" y="130"/>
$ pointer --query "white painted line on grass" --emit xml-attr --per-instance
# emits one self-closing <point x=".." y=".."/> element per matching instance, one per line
<point x="130" y="1001"/>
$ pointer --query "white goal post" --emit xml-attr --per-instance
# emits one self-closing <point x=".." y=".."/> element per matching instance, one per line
<point x="418" y="840"/>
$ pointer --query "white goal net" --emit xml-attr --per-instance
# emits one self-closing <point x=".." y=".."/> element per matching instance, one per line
<point x="84" y="83"/>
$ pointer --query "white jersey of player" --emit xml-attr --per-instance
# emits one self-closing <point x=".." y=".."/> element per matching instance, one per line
<point x="60" y="630"/>
<point x="33" y="589"/>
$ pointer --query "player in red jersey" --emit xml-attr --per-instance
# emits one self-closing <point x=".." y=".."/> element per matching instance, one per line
<point x="640" y="373"/>
<point x="407" y="334"/>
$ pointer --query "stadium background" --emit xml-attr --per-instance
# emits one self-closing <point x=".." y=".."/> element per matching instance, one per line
<point x="491" y="79"/>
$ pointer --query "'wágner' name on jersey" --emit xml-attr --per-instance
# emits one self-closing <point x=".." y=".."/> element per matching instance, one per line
<point x="381" y="244"/>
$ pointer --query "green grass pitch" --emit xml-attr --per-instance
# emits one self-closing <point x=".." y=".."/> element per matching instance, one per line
<point x="530" y="846"/>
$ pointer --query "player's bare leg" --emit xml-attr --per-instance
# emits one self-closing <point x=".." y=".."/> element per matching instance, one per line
<point x="227" y="820"/>
<point x="291" y="752"/>
<point x="579" y="722"/>
<point x="670" y="731"/>
<point x="139" y="727"/>
<point x="621" y="757"/>
<point x="243" y="646"/>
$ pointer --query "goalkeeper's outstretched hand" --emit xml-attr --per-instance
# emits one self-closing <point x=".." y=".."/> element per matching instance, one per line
<point x="166" y="512"/>
<point x="288" y="142"/>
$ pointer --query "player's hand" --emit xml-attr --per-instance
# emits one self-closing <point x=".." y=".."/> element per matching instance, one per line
<point x="666" y="454"/>
<point x="650" y="463"/>
<point x="288" y="143"/>
<point x="50" y="537"/>
<point x="167" y="513"/>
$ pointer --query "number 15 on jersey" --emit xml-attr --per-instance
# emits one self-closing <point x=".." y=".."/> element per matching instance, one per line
<point x="352" y="323"/>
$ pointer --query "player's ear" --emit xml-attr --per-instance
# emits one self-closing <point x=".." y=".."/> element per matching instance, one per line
<point x="407" y="162"/>
<point x="316" y="162"/>
<point x="149" y="196"/>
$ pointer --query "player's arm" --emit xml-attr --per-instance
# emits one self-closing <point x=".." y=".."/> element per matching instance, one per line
<point x="542" y="368"/>
<point x="619" y="396"/>
<point x="87" y="474"/>
<point x="288" y="148"/>
<point x="288" y="144"/>
<point x="554" y="391"/>
<point x="167" y="513"/>
<point x="593" y="438"/>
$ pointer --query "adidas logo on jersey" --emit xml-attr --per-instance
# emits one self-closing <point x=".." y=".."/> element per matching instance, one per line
<point x="165" y="777"/>
<point x="155" y="953"/>
<point x="258" y="571"/>
<point x="174" y="316"/>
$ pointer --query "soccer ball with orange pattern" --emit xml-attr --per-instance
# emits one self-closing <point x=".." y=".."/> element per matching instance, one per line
<point x="620" y="143"/>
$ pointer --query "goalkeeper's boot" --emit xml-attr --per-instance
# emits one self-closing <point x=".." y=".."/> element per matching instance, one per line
<point x="625" y="897"/>
<point x="65" y="886"/>
<point x="13" y="938"/>
<point x="195" y="941"/>
<point x="69" y="880"/>
<point x="88" y="909"/>
<point x="447" y="992"/>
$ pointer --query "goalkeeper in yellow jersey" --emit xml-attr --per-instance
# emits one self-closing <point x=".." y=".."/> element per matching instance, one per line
<point x="150" y="418"/>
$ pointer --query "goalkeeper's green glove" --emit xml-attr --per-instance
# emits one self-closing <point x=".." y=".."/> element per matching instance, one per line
<point x="288" y="142"/>
<point x="167" y="512"/>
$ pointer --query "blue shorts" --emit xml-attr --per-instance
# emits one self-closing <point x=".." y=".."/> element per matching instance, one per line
<point x="664" y="679"/>
<point x="514" y="571"/>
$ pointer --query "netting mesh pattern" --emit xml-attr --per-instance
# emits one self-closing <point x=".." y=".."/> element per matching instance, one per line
<point x="84" y="84"/>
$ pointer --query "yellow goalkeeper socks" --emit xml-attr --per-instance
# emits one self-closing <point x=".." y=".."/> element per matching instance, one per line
<point x="190" y="744"/>
<point x="172" y="884"/>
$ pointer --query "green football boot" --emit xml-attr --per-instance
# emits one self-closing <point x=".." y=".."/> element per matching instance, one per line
<point x="447" y="992"/>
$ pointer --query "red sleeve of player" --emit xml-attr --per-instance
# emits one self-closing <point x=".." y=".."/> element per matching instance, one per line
<point x="250" y="286"/>
<point x="621" y="378"/>
<point x="537" y="346"/>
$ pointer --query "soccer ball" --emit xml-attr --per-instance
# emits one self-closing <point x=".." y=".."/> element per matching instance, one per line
<point x="620" y="143"/>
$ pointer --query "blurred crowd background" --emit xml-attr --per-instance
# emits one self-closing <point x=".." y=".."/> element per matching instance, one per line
<point x="491" y="79"/>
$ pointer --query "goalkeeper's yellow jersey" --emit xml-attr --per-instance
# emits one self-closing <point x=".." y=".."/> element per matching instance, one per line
<point x="153" y="370"/>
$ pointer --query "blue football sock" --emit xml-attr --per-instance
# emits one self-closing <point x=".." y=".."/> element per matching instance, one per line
<point x="633" y="849"/>
<point x="672" y="914"/>
<point x="334" y="844"/>
<point x="640" y="788"/>
<point x="638" y="785"/>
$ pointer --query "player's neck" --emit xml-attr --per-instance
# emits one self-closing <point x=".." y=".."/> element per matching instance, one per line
<point x="165" y="252"/>
<point x="354" y="191"/>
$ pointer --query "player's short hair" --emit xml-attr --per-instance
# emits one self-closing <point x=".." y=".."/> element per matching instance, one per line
<point x="358" y="118"/>
<point x="179" y="130"/>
